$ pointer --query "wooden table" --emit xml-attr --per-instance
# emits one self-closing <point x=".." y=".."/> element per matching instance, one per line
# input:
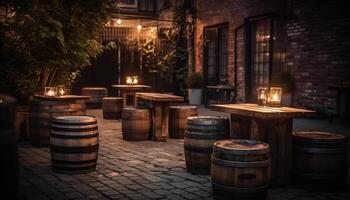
<point x="269" y="124"/>
<point x="130" y="90"/>
<point x="42" y="109"/>
<point x="160" y="112"/>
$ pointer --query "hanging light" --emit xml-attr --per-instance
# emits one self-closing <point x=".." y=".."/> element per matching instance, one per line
<point x="139" y="27"/>
<point x="119" y="21"/>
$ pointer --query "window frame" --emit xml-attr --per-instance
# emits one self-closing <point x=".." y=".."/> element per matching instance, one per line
<point x="217" y="28"/>
<point x="250" y="39"/>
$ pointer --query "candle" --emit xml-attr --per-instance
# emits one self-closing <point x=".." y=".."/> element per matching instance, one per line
<point x="262" y="96"/>
<point x="50" y="91"/>
<point x="61" y="90"/>
<point x="275" y="96"/>
<point x="128" y="80"/>
<point x="135" y="80"/>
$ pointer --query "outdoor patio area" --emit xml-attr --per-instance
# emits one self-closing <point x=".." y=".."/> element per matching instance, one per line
<point x="142" y="170"/>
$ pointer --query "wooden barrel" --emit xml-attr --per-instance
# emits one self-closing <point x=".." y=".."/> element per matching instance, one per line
<point x="21" y="122"/>
<point x="74" y="144"/>
<point x="112" y="107"/>
<point x="240" y="169"/>
<point x="200" y="135"/>
<point x="136" y="124"/>
<point x="41" y="112"/>
<point x="320" y="160"/>
<point x="178" y="120"/>
<point x="96" y="94"/>
<point x="8" y="149"/>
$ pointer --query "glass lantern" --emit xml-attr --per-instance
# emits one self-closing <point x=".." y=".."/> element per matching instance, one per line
<point x="135" y="80"/>
<point x="262" y="94"/>
<point x="129" y="80"/>
<point x="61" y="90"/>
<point x="50" y="91"/>
<point x="275" y="97"/>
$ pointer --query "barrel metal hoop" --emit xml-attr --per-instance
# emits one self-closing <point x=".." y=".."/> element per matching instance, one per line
<point x="198" y="149"/>
<point x="73" y="124"/>
<point x="73" y="136"/>
<point x="320" y="176"/>
<point x="206" y="136"/>
<point x="239" y="189"/>
<point x="74" y="162"/>
<point x="74" y="150"/>
<point x="74" y="129"/>
<point x="322" y="150"/>
<point x="240" y="164"/>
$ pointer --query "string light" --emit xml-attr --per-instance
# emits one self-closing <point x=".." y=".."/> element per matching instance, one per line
<point x="139" y="27"/>
<point x="119" y="21"/>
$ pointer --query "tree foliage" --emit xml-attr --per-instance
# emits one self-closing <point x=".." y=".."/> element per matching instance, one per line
<point x="47" y="42"/>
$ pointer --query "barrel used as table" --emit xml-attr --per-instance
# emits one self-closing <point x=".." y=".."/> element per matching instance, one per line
<point x="240" y="169"/>
<point x="112" y="107"/>
<point x="136" y="124"/>
<point x="8" y="149"/>
<point x="42" y="111"/>
<point x="96" y="94"/>
<point x="320" y="160"/>
<point x="74" y="144"/>
<point x="21" y="122"/>
<point x="178" y="120"/>
<point x="200" y="135"/>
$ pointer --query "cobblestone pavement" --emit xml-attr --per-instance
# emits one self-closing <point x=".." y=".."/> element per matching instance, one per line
<point x="129" y="170"/>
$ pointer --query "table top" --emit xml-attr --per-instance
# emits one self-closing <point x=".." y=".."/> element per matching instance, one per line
<point x="254" y="110"/>
<point x="220" y="87"/>
<point x="61" y="98"/>
<point x="131" y="87"/>
<point x="153" y="96"/>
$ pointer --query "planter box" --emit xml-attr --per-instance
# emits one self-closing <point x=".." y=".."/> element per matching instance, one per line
<point x="195" y="96"/>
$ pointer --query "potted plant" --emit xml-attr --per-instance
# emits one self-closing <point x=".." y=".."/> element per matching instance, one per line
<point x="195" y="88"/>
<point x="284" y="80"/>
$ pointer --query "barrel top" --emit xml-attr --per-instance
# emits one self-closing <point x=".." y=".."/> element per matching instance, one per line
<point x="206" y="120"/>
<point x="7" y="100"/>
<point x="131" y="109"/>
<point x="242" y="145"/>
<point x="183" y="107"/>
<point x="112" y="98"/>
<point x="75" y="119"/>
<point x="319" y="135"/>
<point x="94" y="88"/>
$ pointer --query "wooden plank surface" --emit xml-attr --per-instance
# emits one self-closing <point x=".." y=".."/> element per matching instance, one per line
<point x="152" y="96"/>
<point x="131" y="87"/>
<point x="254" y="110"/>
<point x="61" y="98"/>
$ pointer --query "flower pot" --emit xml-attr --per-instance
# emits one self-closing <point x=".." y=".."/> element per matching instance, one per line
<point x="195" y="96"/>
<point x="286" y="99"/>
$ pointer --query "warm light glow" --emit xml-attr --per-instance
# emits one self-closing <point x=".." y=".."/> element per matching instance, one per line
<point x="128" y="80"/>
<point x="50" y="91"/>
<point x="139" y="27"/>
<point x="135" y="80"/>
<point x="262" y="95"/>
<point x="119" y="21"/>
<point x="275" y="96"/>
<point x="61" y="90"/>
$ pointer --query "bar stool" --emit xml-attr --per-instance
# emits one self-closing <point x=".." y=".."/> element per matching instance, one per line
<point x="112" y="107"/>
<point x="178" y="120"/>
<point x="96" y="94"/>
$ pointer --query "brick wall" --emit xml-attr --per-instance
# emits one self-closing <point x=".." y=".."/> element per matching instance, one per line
<point x="317" y="43"/>
<point x="318" y="50"/>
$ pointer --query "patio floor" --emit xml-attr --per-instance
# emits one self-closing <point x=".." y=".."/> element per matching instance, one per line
<point x="141" y="170"/>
